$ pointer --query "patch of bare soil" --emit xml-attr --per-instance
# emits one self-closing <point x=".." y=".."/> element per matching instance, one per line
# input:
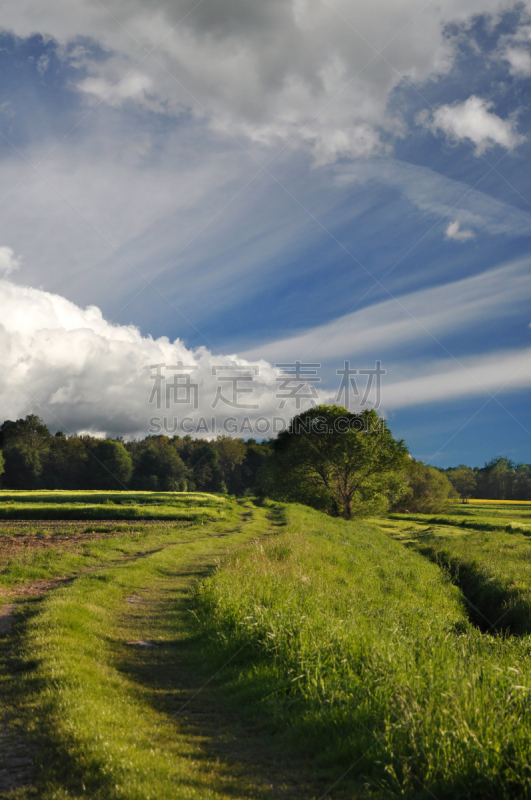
<point x="6" y="618"/>
<point x="16" y="763"/>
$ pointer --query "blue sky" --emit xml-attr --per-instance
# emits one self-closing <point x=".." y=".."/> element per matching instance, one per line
<point x="306" y="180"/>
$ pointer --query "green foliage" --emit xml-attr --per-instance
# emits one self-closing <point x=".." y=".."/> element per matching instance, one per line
<point x="112" y="466"/>
<point x="30" y="431"/>
<point x="341" y="463"/>
<point x="231" y="454"/>
<point x="464" y="481"/>
<point x="429" y="490"/>
<point x="160" y="468"/>
<point x="2" y="464"/>
<point x="22" y="467"/>
<point x="207" y="474"/>
<point x="499" y="479"/>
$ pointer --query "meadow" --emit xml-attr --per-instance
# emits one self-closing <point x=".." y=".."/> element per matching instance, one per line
<point x="265" y="651"/>
<point x="116" y="505"/>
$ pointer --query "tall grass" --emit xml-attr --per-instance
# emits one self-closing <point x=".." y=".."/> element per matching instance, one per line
<point x="492" y="568"/>
<point x="358" y="653"/>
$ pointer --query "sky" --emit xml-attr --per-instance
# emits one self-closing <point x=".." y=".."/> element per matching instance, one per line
<point x="194" y="193"/>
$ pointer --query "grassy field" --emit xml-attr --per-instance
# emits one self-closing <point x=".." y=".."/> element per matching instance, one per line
<point x="97" y="505"/>
<point x="488" y="557"/>
<point x="269" y="651"/>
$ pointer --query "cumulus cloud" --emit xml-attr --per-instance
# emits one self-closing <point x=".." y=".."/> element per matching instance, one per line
<point x="290" y="71"/>
<point x="473" y="121"/>
<point x="8" y="261"/>
<point x="520" y="61"/>
<point x="81" y="373"/>
<point x="458" y="234"/>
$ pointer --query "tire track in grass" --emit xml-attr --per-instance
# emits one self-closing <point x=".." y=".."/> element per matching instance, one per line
<point x="70" y="640"/>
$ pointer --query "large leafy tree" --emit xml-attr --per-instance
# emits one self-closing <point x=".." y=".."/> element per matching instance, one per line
<point x="159" y="466"/>
<point x="110" y="465"/>
<point x="429" y="490"/>
<point x="23" y="467"/>
<point x="231" y="454"/>
<point x="30" y="431"/>
<point x="464" y="480"/>
<point x="345" y="464"/>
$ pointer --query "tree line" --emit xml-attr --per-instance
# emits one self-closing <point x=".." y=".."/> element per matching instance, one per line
<point x="341" y="463"/>
<point x="32" y="458"/>
<point x="499" y="479"/>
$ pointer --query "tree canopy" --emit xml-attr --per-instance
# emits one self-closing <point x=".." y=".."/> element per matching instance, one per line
<point x="345" y="464"/>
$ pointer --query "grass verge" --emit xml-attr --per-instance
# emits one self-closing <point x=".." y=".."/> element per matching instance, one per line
<point x="359" y="656"/>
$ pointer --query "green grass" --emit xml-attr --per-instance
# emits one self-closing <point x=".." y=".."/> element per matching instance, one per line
<point x="110" y="505"/>
<point x="492" y="568"/>
<point x="118" y="497"/>
<point x="330" y="654"/>
<point x="360" y="655"/>
<point x="478" y="522"/>
<point x="80" y="692"/>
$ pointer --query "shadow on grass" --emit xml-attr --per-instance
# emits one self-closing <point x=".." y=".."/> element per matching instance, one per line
<point x="492" y="606"/>
<point x="54" y="773"/>
<point x="248" y="713"/>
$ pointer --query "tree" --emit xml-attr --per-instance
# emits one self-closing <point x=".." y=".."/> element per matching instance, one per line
<point x="231" y="454"/>
<point x="495" y="479"/>
<point x="345" y="464"/>
<point x="2" y="463"/>
<point x="429" y="490"/>
<point x="160" y="467"/>
<point x="522" y="483"/>
<point x="66" y="462"/>
<point x="22" y="467"/>
<point x="464" y="481"/>
<point x="110" y="465"/>
<point x="30" y="431"/>
<point x="207" y="472"/>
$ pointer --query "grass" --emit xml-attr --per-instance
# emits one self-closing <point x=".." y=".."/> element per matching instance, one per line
<point x="181" y="499"/>
<point x="360" y="655"/>
<point x="291" y="654"/>
<point x="96" y="505"/>
<point x="81" y="693"/>
<point x="491" y="567"/>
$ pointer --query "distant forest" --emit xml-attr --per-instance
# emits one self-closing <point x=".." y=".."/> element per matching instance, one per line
<point x="31" y="457"/>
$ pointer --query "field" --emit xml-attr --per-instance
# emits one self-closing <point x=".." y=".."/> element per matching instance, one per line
<point x="261" y="650"/>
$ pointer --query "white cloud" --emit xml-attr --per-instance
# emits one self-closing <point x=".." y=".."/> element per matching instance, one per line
<point x="478" y="375"/>
<point x="520" y="61"/>
<point x="416" y="318"/>
<point x="133" y="86"/>
<point x="8" y="261"/>
<point x="266" y="71"/>
<point x="439" y="196"/>
<point x="458" y="234"/>
<point x="84" y="374"/>
<point x="81" y="373"/>
<point x="473" y="121"/>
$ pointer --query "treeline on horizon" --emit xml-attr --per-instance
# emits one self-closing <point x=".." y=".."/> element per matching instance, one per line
<point x="31" y="457"/>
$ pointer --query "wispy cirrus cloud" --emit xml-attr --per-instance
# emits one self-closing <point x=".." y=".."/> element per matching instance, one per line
<point x="417" y="317"/>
